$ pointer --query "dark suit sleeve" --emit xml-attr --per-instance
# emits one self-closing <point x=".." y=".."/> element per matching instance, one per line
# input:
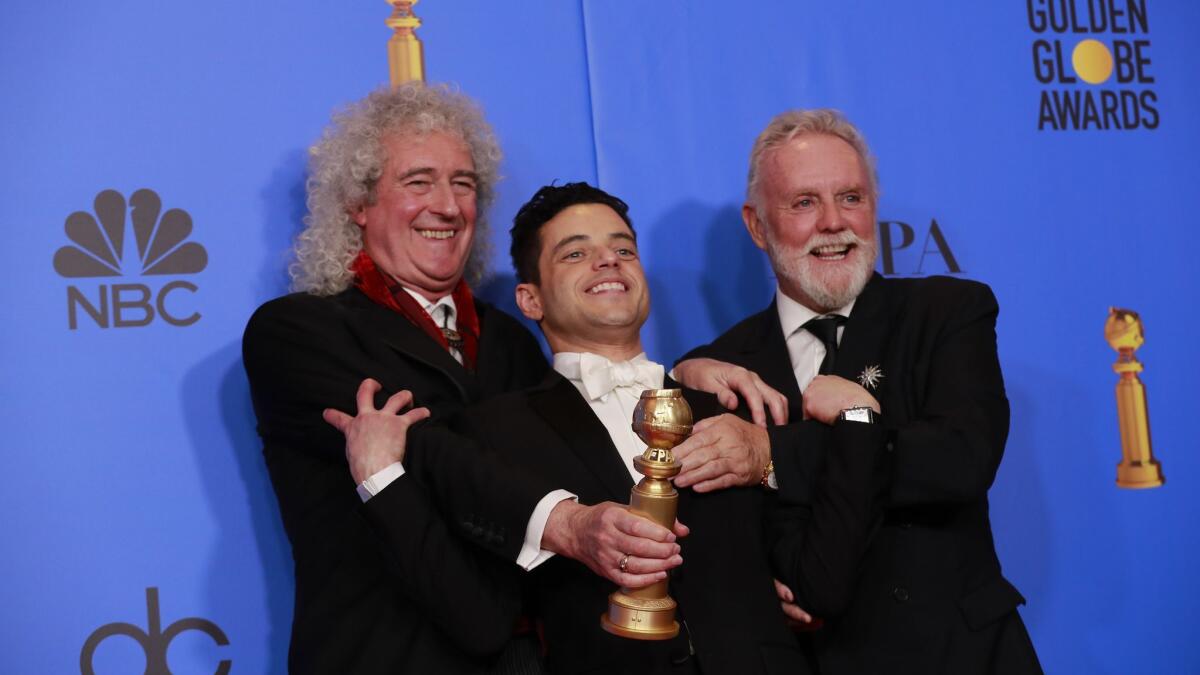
<point x="473" y="597"/>
<point x="796" y="448"/>
<point x="297" y="363"/>
<point x="816" y="547"/>
<point x="950" y="451"/>
<point x="817" y="535"/>
<point x="949" y="437"/>
<point x="486" y="499"/>
<point x="796" y="452"/>
<point x="702" y="352"/>
<point x="296" y="369"/>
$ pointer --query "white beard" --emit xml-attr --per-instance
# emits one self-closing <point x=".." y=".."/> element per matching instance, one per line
<point x="829" y="286"/>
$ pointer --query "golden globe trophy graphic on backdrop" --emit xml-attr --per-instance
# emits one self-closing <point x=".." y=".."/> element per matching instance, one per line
<point x="1138" y="468"/>
<point x="662" y="419"/>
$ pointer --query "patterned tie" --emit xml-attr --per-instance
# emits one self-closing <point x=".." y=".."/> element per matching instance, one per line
<point x="454" y="339"/>
<point x="825" y="328"/>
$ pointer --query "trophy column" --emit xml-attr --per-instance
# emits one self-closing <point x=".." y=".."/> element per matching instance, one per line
<point x="406" y="58"/>
<point x="662" y="419"/>
<point x="1138" y="468"/>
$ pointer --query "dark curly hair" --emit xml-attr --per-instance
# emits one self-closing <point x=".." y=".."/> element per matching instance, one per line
<point x="546" y="203"/>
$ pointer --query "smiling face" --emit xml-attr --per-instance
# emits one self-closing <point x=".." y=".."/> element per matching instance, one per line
<point x="815" y="217"/>
<point x="592" y="294"/>
<point x="419" y="229"/>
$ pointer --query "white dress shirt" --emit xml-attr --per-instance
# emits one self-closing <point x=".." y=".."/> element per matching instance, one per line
<point x="805" y="350"/>
<point x="615" y="407"/>
<point x="443" y="312"/>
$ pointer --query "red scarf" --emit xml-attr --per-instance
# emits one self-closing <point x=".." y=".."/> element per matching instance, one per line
<point x="384" y="290"/>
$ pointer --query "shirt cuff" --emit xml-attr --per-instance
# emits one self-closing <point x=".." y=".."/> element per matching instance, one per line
<point x="532" y="554"/>
<point x="374" y="484"/>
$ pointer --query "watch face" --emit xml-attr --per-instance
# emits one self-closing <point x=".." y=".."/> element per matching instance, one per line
<point x="857" y="415"/>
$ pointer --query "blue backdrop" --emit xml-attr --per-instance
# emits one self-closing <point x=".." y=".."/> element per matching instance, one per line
<point x="133" y="486"/>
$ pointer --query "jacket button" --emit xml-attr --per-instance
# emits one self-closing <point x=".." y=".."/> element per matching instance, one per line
<point x="889" y="447"/>
<point x="900" y="594"/>
<point x="906" y="525"/>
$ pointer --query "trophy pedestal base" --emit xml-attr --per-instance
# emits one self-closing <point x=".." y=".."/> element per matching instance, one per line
<point x="639" y="618"/>
<point x="1139" y="475"/>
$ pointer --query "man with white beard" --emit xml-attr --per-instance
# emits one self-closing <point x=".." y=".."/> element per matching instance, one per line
<point x="847" y="346"/>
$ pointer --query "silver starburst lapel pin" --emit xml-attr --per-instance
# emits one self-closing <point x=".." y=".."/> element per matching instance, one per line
<point x="870" y="377"/>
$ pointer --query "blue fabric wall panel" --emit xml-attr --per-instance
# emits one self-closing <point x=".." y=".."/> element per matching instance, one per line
<point x="149" y="444"/>
<point x="528" y="69"/>
<point x="949" y="100"/>
<point x="132" y="461"/>
<point x="155" y="482"/>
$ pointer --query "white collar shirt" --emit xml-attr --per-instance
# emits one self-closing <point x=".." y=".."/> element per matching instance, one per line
<point x="614" y="408"/>
<point x="805" y="350"/>
<point x="443" y="312"/>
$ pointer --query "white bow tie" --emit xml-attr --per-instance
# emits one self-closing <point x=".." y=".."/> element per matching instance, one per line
<point x="600" y="376"/>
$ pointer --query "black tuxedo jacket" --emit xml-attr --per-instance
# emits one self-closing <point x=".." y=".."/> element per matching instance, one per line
<point x="727" y="603"/>
<point x="364" y="603"/>
<point x="930" y="597"/>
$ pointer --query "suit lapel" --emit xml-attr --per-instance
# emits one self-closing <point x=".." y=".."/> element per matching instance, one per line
<point x="765" y="352"/>
<point x="564" y="409"/>
<point x="865" y="337"/>
<point x="410" y="342"/>
<point x="493" y="355"/>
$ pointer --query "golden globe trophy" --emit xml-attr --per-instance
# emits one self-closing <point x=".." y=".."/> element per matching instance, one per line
<point x="406" y="58"/>
<point x="1138" y="468"/>
<point x="662" y="419"/>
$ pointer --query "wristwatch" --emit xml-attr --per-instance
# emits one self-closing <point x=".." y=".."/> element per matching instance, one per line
<point x="768" y="477"/>
<point x="862" y="414"/>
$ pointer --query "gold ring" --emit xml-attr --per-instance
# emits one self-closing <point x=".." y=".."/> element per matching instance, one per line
<point x="624" y="562"/>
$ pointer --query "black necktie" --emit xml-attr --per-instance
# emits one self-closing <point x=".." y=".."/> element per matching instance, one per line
<point x="825" y="328"/>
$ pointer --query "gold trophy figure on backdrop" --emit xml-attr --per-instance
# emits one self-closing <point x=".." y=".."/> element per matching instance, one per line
<point x="1138" y="468"/>
<point x="662" y="419"/>
<point x="406" y="58"/>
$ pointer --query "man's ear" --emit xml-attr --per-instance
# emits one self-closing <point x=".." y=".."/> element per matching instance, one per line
<point x="755" y="226"/>
<point x="529" y="300"/>
<point x="360" y="215"/>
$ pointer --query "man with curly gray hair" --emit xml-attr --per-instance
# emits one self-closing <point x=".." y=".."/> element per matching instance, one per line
<point x="347" y="189"/>
<point x="397" y="192"/>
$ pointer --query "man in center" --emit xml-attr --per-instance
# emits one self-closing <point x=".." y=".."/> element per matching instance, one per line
<point x="576" y="258"/>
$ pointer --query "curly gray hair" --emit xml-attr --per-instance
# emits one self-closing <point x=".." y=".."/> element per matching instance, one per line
<point x="346" y="164"/>
<point x="788" y="125"/>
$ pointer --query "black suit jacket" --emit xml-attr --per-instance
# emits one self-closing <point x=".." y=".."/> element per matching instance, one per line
<point x="930" y="596"/>
<point x="727" y="601"/>
<point x="364" y="603"/>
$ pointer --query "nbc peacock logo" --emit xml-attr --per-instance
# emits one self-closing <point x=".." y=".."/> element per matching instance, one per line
<point x="100" y="250"/>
